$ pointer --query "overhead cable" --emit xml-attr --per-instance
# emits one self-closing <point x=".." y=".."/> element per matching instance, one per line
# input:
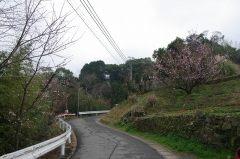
<point x="102" y="27"/>
<point x="91" y="29"/>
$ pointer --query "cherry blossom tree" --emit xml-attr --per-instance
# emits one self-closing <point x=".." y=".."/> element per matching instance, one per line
<point x="188" y="66"/>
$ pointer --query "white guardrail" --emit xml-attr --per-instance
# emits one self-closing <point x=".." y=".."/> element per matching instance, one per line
<point x="94" y="112"/>
<point x="42" y="148"/>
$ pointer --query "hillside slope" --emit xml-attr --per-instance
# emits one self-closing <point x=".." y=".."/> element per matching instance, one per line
<point x="211" y="110"/>
<point x="218" y="98"/>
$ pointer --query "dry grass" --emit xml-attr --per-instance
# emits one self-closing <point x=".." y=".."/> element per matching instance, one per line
<point x="152" y="100"/>
<point x="114" y="116"/>
<point x="132" y="99"/>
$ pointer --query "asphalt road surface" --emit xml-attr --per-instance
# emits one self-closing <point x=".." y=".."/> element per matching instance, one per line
<point x="98" y="142"/>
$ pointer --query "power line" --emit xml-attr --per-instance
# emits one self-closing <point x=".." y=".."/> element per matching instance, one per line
<point x="100" y="27"/>
<point x="85" y="20"/>
<point x="103" y="29"/>
<point x="107" y="31"/>
<point x="91" y="29"/>
<point x="89" y="24"/>
<point x="109" y="35"/>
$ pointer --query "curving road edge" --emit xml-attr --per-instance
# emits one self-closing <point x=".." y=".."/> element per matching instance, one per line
<point x="160" y="149"/>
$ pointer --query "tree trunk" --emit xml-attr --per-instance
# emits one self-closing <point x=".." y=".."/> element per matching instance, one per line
<point x="18" y="133"/>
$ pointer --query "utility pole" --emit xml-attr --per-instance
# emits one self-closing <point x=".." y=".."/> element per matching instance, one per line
<point x="66" y="110"/>
<point x="78" y="100"/>
<point x="131" y="72"/>
<point x="131" y="58"/>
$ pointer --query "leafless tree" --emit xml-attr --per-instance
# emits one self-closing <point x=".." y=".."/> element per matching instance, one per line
<point x="88" y="80"/>
<point x="26" y="22"/>
<point x="29" y="23"/>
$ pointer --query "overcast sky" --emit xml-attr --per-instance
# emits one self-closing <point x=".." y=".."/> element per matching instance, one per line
<point x="141" y="26"/>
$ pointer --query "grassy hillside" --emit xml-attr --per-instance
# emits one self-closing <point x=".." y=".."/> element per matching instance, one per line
<point x="220" y="98"/>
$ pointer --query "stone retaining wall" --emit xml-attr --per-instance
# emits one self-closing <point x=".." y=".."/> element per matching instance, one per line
<point x="222" y="131"/>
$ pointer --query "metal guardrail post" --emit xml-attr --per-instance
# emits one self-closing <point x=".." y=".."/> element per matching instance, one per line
<point x="69" y="139"/>
<point x="63" y="149"/>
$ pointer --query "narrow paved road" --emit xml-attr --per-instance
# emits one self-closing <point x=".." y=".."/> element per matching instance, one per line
<point x="98" y="142"/>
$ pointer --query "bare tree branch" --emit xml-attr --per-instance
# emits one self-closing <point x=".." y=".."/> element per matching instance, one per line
<point x="28" y="22"/>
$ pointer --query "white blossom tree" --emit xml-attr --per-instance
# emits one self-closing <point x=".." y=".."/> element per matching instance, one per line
<point x="188" y="66"/>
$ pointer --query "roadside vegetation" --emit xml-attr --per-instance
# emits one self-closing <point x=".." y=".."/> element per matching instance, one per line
<point x="180" y="146"/>
<point x="220" y="99"/>
<point x="33" y="87"/>
<point x="196" y="76"/>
